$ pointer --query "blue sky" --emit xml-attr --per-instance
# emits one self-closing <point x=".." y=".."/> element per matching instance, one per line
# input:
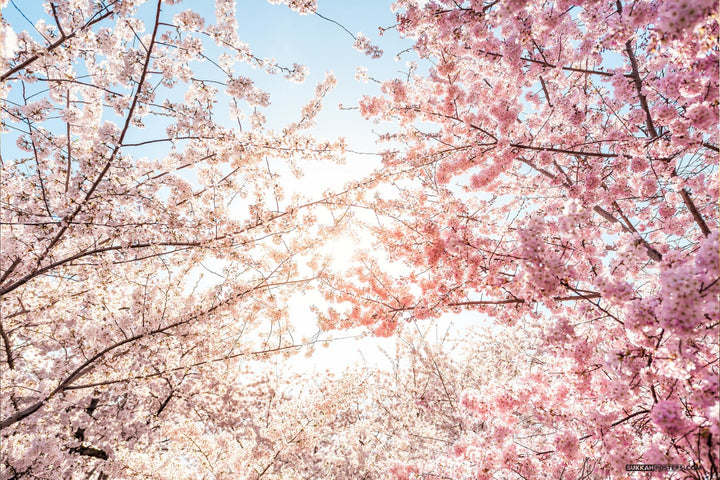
<point x="277" y="32"/>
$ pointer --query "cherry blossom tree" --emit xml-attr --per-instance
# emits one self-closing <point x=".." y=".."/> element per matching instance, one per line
<point x="552" y="170"/>
<point x="555" y="170"/>
<point x="134" y="173"/>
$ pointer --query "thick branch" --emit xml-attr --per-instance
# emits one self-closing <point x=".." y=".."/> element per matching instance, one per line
<point x="10" y="269"/>
<point x="69" y="148"/>
<point x="164" y="403"/>
<point x="90" y="452"/>
<point x="635" y="75"/>
<point x="623" y="420"/>
<point x="185" y="367"/>
<point x="81" y="370"/>
<point x="520" y="300"/>
<point x="562" y="150"/>
<point x="6" y="344"/>
<point x="22" y="414"/>
<point x="86" y="253"/>
<point x="586" y="71"/>
<point x="545" y="90"/>
<point x="695" y="213"/>
<point x="652" y="253"/>
<point x="543" y="171"/>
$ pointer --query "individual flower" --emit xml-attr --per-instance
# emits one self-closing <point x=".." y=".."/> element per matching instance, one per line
<point x="362" y="44"/>
<point x="9" y="40"/>
<point x="189" y="20"/>
<point x="361" y="74"/>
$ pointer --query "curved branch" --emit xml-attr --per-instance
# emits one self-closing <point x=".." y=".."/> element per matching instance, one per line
<point x="8" y="347"/>
<point x="87" y="253"/>
<point x="562" y="150"/>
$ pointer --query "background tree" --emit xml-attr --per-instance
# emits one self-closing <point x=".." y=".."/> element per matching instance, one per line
<point x="367" y="423"/>
<point x="560" y="176"/>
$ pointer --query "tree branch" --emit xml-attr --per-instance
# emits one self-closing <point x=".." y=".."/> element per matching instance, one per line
<point x="695" y="213"/>
<point x="31" y="275"/>
<point x="90" y="452"/>
<point x="623" y="420"/>
<point x="651" y="251"/>
<point x="6" y="343"/>
<point x="545" y="90"/>
<point x="54" y="45"/>
<point x="67" y="221"/>
<point x="562" y="150"/>
<point x="635" y="75"/>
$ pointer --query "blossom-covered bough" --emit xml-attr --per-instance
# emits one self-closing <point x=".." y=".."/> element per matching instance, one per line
<point x="561" y="165"/>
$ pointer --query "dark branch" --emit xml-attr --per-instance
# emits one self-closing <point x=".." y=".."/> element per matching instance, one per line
<point x="90" y="452"/>
<point x="635" y="75"/>
<point x="695" y="213"/>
